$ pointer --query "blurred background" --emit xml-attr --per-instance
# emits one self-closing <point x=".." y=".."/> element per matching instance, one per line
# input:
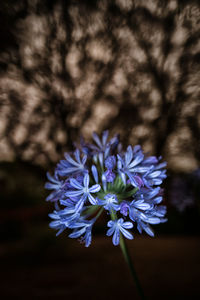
<point x="68" y="68"/>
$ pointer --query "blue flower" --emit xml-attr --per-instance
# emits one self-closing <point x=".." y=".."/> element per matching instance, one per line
<point x="85" y="147"/>
<point x="160" y="211"/>
<point x="118" y="226"/>
<point x="83" y="229"/>
<point x="84" y="191"/>
<point x="62" y="218"/>
<point x="154" y="176"/>
<point x="129" y="165"/>
<point x="152" y="196"/>
<point x="56" y="185"/>
<point x="110" y="202"/>
<point x="144" y="216"/>
<point x="140" y="204"/>
<point x="101" y="177"/>
<point x="146" y="227"/>
<point x="103" y="147"/>
<point x="70" y="165"/>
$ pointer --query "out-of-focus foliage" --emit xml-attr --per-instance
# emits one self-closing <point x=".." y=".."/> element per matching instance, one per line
<point x="72" y="67"/>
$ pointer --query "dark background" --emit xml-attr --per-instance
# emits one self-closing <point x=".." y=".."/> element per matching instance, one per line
<point x="68" y="68"/>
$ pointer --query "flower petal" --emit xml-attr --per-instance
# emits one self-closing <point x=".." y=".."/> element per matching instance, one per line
<point x="95" y="173"/>
<point x="71" y="161"/>
<point x="128" y="155"/>
<point x="116" y="237"/>
<point x="136" y="161"/>
<point x="110" y="223"/>
<point x="86" y="180"/>
<point x="92" y="199"/>
<point x="110" y="231"/>
<point x="84" y="159"/>
<point x="75" y="184"/>
<point x="75" y="234"/>
<point x="128" y="225"/>
<point x="104" y="137"/>
<point x="73" y="193"/>
<point x="96" y="139"/>
<point x="77" y="156"/>
<point x="94" y="188"/>
<point x="126" y="233"/>
<point x="80" y="204"/>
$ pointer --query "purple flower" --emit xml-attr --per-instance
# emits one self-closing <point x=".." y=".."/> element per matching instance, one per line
<point x="110" y="163"/>
<point x="124" y="207"/>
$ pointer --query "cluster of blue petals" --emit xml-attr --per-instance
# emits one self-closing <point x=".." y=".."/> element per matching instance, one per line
<point x="102" y="177"/>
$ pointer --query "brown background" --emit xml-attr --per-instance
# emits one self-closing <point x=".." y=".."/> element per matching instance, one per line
<point x="73" y="67"/>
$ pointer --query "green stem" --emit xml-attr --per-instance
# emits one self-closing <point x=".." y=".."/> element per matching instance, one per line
<point x="99" y="213"/>
<point x="91" y="209"/>
<point x="128" y="260"/>
<point x="131" y="267"/>
<point x="129" y="193"/>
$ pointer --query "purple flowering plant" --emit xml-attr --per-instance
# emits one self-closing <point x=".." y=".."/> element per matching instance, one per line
<point x="102" y="177"/>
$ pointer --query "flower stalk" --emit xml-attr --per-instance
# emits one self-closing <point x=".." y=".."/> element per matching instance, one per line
<point x="128" y="260"/>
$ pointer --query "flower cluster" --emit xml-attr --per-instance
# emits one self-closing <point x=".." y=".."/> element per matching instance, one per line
<point x="102" y="177"/>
